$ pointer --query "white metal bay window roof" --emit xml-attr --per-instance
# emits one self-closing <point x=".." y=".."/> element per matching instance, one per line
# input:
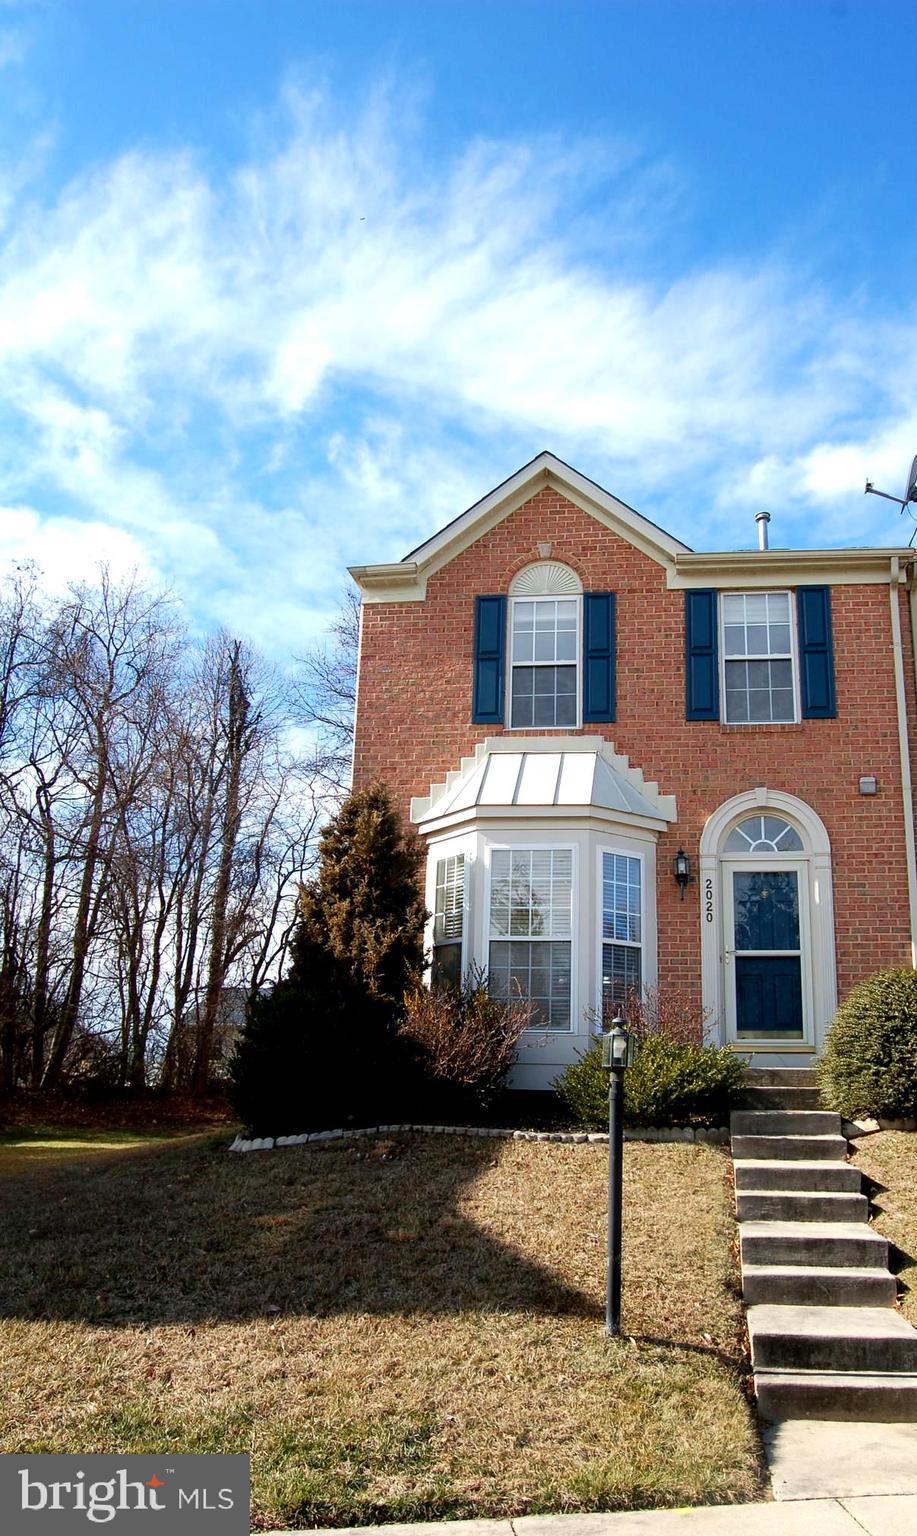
<point x="552" y="777"/>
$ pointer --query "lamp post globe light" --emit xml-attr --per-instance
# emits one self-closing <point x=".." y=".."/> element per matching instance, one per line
<point x="616" y="1055"/>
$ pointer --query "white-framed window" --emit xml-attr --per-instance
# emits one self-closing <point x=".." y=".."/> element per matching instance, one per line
<point x="544" y="662"/>
<point x="621" y="935"/>
<point x="530" y="931"/>
<point x="545" y="618"/>
<point x="448" y="921"/>
<point x="759" y="658"/>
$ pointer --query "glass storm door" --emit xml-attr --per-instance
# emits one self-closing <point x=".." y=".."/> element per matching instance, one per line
<point x="765" y="955"/>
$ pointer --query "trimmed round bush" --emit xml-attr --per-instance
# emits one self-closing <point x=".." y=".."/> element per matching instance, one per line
<point x="869" y="1064"/>
<point x="669" y="1083"/>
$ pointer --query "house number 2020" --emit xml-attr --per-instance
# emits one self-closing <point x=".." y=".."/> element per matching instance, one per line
<point x="708" y="901"/>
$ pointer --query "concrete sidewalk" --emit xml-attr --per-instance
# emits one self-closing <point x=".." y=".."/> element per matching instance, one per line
<point x="877" y="1515"/>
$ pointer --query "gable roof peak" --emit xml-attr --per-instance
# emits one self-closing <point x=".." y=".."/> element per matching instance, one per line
<point x="545" y="469"/>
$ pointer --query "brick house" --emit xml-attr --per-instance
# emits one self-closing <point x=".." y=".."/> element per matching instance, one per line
<point x="563" y="698"/>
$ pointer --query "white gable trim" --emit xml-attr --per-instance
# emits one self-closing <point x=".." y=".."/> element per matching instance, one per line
<point x="406" y="581"/>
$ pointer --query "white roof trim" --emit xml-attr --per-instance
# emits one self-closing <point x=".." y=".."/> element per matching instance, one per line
<point x="407" y="579"/>
<point x="559" y="776"/>
<point x="768" y="568"/>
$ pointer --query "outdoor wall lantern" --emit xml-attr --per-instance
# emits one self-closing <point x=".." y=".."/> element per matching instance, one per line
<point x="616" y="1057"/>
<point x="681" y="869"/>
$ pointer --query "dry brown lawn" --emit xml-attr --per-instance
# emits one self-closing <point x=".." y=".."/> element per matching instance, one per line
<point x="23" y="1151"/>
<point x="404" y="1329"/>
<point x="890" y="1160"/>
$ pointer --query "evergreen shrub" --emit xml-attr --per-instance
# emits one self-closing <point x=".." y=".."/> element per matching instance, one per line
<point x="869" y="1063"/>
<point x="674" y="1079"/>
<point x="323" y="1048"/>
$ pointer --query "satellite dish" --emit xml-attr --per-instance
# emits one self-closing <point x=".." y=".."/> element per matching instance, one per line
<point x="910" y="493"/>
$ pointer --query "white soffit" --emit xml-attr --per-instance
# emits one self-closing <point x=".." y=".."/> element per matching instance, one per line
<point x="576" y="775"/>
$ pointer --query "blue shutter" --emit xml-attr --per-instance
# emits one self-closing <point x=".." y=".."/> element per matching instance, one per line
<point x="598" y="657"/>
<point x="489" y="645"/>
<point x="702" y="679"/>
<point x="816" y="653"/>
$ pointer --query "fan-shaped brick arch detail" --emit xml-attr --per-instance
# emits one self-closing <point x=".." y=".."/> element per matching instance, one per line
<point x="546" y="578"/>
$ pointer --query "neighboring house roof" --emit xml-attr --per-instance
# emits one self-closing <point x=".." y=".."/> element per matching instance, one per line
<point x="406" y="580"/>
<point x="534" y="776"/>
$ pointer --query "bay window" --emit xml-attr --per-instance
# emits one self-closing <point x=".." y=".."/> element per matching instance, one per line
<point x="531" y="931"/>
<point x="448" y="921"/>
<point x="622" y="927"/>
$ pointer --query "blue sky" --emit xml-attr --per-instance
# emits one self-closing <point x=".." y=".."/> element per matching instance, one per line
<point x="285" y="286"/>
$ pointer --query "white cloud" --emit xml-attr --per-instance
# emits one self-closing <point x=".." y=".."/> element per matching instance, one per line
<point x="321" y="356"/>
<point x="829" y="479"/>
<point x="68" y="549"/>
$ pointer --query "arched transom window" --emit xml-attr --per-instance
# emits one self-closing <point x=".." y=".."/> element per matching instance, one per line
<point x="763" y="834"/>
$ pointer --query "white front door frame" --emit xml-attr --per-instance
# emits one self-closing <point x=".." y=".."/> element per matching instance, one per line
<point x="815" y="867"/>
<point x="755" y="863"/>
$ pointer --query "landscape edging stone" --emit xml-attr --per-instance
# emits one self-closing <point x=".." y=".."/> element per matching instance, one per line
<point x="717" y="1135"/>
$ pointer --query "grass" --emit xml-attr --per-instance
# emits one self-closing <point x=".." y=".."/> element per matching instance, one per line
<point x="395" y="1330"/>
<point x="24" y="1150"/>
<point x="890" y="1159"/>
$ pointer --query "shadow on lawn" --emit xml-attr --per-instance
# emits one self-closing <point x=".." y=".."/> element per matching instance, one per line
<point x="186" y="1235"/>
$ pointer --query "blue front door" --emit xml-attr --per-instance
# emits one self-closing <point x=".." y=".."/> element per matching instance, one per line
<point x="767" y="954"/>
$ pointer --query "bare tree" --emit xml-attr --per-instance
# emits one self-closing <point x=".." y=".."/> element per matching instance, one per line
<point x="326" y="693"/>
<point x="155" y="822"/>
<point x="106" y="658"/>
<point x="239" y="729"/>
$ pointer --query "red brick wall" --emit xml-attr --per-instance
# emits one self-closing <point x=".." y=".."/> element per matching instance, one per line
<point x="414" y="725"/>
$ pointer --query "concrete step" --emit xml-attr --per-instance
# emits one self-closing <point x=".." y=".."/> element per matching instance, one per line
<point x="834" y="1244"/>
<point x="810" y="1285"/>
<point x="849" y="1339"/>
<point x="781" y="1077"/>
<point x="797" y="1149"/>
<point x="800" y="1205"/>
<point x="768" y="1098"/>
<point x="755" y="1173"/>
<point x="784" y="1122"/>
<point x="867" y="1397"/>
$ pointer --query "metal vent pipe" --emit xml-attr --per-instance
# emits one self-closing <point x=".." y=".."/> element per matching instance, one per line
<point x="762" y="519"/>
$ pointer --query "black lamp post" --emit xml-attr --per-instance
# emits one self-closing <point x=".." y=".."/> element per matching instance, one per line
<point x="615" y="1058"/>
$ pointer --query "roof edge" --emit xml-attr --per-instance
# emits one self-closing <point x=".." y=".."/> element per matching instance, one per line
<point x="762" y="568"/>
<point x="406" y="579"/>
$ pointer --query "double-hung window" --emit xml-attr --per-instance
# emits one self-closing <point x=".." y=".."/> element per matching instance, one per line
<point x="758" y="658"/>
<point x="531" y="931"/>
<point x="544" y="689"/>
<point x="448" y="921"/>
<point x="622" y="927"/>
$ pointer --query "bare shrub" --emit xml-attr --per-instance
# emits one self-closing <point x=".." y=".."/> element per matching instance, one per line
<point x="465" y="1040"/>
<point x="669" y="1011"/>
